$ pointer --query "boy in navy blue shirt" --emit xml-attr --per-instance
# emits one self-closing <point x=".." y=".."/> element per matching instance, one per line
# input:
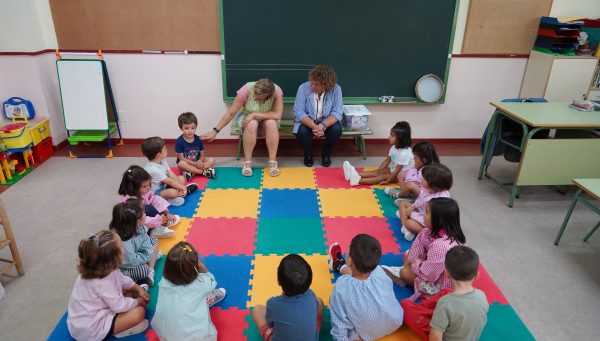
<point x="298" y="313"/>
<point x="190" y="149"/>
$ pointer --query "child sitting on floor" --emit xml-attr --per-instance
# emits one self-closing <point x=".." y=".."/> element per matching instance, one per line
<point x="424" y="265"/>
<point x="399" y="157"/>
<point x="437" y="180"/>
<point x="190" y="149"/>
<point x="136" y="184"/>
<point x="164" y="182"/>
<point x="410" y="179"/>
<point x="185" y="293"/>
<point x="298" y="313"/>
<point x="363" y="304"/>
<point x="458" y="315"/>
<point x="104" y="302"/>
<point x="141" y="250"/>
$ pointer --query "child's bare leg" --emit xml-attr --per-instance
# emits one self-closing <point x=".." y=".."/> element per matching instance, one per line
<point x="407" y="188"/>
<point x="368" y="174"/>
<point x="209" y="162"/>
<point x="372" y="180"/>
<point x="170" y="193"/>
<point x="346" y="270"/>
<point x="404" y="210"/>
<point x="407" y="276"/>
<point x="186" y="167"/>
<point x="152" y="261"/>
<point x="320" y="306"/>
<point x="181" y="179"/>
<point x="129" y="319"/>
<point x="259" y="315"/>
<point x="413" y="226"/>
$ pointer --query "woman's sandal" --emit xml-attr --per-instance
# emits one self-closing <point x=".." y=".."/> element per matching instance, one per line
<point x="246" y="171"/>
<point x="273" y="169"/>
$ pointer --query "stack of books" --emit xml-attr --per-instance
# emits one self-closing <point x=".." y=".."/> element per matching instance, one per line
<point x="557" y="38"/>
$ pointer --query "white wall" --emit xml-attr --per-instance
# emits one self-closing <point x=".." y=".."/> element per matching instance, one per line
<point x="26" y="26"/>
<point x="575" y="8"/>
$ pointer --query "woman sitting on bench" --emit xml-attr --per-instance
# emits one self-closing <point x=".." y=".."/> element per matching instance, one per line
<point x="318" y="110"/>
<point x="256" y="110"/>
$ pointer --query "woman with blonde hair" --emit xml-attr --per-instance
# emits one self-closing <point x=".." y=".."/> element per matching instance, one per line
<point x="318" y="111"/>
<point x="256" y="110"/>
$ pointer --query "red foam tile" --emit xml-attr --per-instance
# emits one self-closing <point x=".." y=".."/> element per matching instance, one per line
<point x="342" y="230"/>
<point x="222" y="236"/>
<point x="333" y="178"/>
<point x="485" y="283"/>
<point x="199" y="180"/>
<point x="230" y="323"/>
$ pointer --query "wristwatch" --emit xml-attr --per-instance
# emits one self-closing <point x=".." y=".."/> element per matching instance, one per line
<point x="217" y="130"/>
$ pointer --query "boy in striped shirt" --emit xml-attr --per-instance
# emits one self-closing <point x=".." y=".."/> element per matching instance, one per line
<point x="363" y="304"/>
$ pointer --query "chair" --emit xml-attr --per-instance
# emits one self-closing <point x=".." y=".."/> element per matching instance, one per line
<point x="9" y="240"/>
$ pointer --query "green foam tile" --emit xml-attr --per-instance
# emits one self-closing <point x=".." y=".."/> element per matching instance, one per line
<point x="504" y="324"/>
<point x="385" y="202"/>
<point x="281" y="236"/>
<point x="231" y="177"/>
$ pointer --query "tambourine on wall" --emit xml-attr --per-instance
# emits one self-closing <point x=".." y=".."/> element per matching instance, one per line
<point x="429" y="88"/>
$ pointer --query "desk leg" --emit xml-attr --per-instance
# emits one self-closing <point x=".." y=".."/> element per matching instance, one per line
<point x="6" y="168"/>
<point x="591" y="232"/>
<point x="514" y="192"/>
<point x="567" y="217"/>
<point x="488" y="140"/>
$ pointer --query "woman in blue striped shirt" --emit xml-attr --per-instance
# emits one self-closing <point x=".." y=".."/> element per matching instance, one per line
<point x="318" y="111"/>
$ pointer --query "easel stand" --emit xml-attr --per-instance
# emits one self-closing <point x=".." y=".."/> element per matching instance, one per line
<point x="106" y="127"/>
<point x="9" y="240"/>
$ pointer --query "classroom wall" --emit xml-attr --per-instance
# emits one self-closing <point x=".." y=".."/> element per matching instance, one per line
<point x="151" y="90"/>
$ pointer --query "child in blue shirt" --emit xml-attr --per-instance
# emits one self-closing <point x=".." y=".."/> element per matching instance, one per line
<point x="363" y="304"/>
<point x="190" y="149"/>
<point x="298" y="313"/>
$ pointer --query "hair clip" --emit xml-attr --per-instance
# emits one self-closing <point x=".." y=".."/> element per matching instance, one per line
<point x="187" y="248"/>
<point x="95" y="238"/>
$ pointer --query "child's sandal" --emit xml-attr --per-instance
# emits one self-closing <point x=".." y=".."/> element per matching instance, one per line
<point x="273" y="168"/>
<point x="246" y="171"/>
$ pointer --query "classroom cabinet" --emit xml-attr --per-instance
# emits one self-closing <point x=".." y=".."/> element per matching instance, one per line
<point x="558" y="78"/>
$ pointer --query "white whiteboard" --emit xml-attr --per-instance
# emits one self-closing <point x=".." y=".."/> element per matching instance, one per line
<point x="82" y="91"/>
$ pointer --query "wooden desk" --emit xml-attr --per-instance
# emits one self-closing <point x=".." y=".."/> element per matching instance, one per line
<point x="551" y="161"/>
<point x="591" y="187"/>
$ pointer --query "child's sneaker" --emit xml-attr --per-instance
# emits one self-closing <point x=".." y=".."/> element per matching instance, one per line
<point x="176" y="201"/>
<point x="354" y="177"/>
<point x="347" y="167"/>
<point x="175" y="222"/>
<point x="215" y="296"/>
<point x="393" y="272"/>
<point x="336" y="260"/>
<point x="150" y="277"/>
<point x="191" y="188"/>
<point x="399" y="200"/>
<point x="407" y="234"/>
<point x="398" y="214"/>
<point x="210" y="173"/>
<point x="138" y="328"/>
<point x="162" y="232"/>
<point x="159" y="255"/>
<point x="144" y="286"/>
<point x="392" y="192"/>
<point x="187" y="175"/>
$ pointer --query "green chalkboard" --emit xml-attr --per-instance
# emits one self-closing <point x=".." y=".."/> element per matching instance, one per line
<point x="377" y="47"/>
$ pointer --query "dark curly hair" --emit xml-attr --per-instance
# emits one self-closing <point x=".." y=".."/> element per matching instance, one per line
<point x="402" y="132"/>
<point x="99" y="255"/>
<point x="132" y="180"/>
<point x="187" y="118"/>
<point x="181" y="264"/>
<point x="325" y="75"/>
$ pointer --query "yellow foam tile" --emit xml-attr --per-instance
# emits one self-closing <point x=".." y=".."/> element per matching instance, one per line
<point x="402" y="334"/>
<point x="349" y="203"/>
<point x="229" y="203"/>
<point x="264" y="281"/>
<point x="290" y="178"/>
<point x="181" y="230"/>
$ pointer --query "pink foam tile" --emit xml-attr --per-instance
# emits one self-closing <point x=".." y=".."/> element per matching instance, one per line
<point x="223" y="236"/>
<point x="333" y="178"/>
<point x="342" y="230"/>
<point x="230" y="323"/>
<point x="199" y="180"/>
<point x="485" y="283"/>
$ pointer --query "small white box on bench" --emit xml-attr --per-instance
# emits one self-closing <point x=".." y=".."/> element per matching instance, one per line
<point x="356" y="117"/>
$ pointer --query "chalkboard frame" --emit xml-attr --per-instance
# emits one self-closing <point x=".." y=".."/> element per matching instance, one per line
<point x="347" y="100"/>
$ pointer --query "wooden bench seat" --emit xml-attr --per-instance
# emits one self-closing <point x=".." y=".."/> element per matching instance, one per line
<point x="285" y="132"/>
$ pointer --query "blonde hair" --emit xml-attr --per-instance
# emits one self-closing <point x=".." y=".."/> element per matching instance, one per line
<point x="264" y="89"/>
<point x="325" y="75"/>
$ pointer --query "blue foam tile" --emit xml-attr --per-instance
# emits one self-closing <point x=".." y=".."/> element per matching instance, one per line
<point x="61" y="331"/>
<point x="397" y="260"/>
<point x="188" y="209"/>
<point x="277" y="203"/>
<point x="233" y="274"/>
<point x="395" y="226"/>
